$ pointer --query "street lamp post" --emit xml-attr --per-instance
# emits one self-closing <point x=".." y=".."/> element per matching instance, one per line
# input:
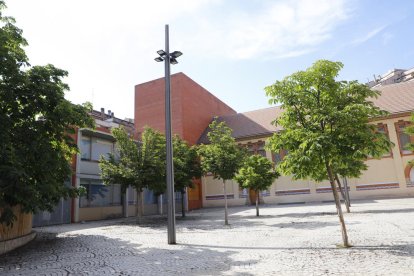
<point x="169" y="59"/>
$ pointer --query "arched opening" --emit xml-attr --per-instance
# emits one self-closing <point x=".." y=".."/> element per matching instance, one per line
<point x="409" y="175"/>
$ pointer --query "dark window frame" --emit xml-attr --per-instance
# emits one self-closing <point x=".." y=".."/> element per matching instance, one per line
<point x="399" y="127"/>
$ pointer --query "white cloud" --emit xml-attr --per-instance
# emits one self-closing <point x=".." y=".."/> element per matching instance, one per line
<point x="108" y="47"/>
<point x="368" y="36"/>
<point x="276" y="29"/>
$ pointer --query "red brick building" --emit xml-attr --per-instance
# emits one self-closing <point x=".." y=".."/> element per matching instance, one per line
<point x="192" y="108"/>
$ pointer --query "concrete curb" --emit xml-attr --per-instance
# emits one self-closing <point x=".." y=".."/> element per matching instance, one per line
<point x="9" y="245"/>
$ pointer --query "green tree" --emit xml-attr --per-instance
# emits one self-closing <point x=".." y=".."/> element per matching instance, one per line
<point x="222" y="157"/>
<point x="257" y="173"/>
<point x="410" y="131"/>
<point x="326" y="126"/>
<point x="186" y="167"/>
<point x="36" y="130"/>
<point x="153" y="143"/>
<point x="139" y="164"/>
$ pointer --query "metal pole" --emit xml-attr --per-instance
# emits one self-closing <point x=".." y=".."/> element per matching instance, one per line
<point x="168" y="136"/>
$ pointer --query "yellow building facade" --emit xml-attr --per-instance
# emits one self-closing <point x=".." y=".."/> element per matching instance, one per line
<point x="390" y="176"/>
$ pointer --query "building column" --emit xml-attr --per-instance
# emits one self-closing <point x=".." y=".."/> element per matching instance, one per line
<point x="76" y="202"/>
<point x="125" y="203"/>
<point x="237" y="190"/>
<point x="312" y="187"/>
<point x="77" y="181"/>
<point x="204" y="191"/>
<point x="186" y="199"/>
<point x="398" y="162"/>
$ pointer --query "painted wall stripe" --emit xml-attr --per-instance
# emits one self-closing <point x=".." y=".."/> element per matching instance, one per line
<point x="363" y="187"/>
<point x="218" y="197"/>
<point x="292" y="192"/>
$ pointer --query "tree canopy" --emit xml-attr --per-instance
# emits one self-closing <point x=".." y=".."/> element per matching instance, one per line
<point x="186" y="164"/>
<point x="154" y="158"/>
<point x="36" y="130"/>
<point x="326" y="126"/>
<point x="139" y="164"/>
<point x="186" y="167"/>
<point x="221" y="157"/>
<point x="325" y="120"/>
<point x="257" y="173"/>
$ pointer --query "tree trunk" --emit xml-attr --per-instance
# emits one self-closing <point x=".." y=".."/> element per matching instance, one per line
<point x="139" y="207"/>
<point x="340" y="187"/>
<point x="338" y="205"/>
<point x="347" y="191"/>
<point x="226" y="221"/>
<point x="257" y="203"/>
<point x="182" y="204"/>
<point x="344" y="197"/>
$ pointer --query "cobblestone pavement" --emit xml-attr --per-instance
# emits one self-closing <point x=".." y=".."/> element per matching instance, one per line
<point x="284" y="240"/>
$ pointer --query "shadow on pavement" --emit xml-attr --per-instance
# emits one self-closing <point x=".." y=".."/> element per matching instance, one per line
<point x="98" y="255"/>
<point x="389" y="211"/>
<point x="400" y="250"/>
<point x="309" y="225"/>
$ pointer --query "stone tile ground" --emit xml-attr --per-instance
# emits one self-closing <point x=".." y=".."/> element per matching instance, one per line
<point x="284" y="240"/>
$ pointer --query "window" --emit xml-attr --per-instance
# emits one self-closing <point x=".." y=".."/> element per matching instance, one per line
<point x="149" y="197"/>
<point x="277" y="157"/>
<point x="132" y="196"/>
<point x="260" y="149"/>
<point x="101" y="147"/>
<point x="265" y="192"/>
<point x="250" y="149"/>
<point x="243" y="192"/>
<point x="92" y="148"/>
<point x="256" y="148"/>
<point x="85" y="148"/>
<point x="404" y="139"/>
<point x="404" y="142"/>
<point x="99" y="195"/>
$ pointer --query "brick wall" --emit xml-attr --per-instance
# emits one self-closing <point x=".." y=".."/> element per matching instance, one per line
<point x="192" y="107"/>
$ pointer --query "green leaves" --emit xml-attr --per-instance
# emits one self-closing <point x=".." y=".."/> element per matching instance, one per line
<point x="186" y="164"/>
<point x="325" y="120"/>
<point x="136" y="164"/>
<point x="256" y="173"/>
<point x="222" y="157"/>
<point x="142" y="164"/>
<point x="36" y="130"/>
<point x="410" y="131"/>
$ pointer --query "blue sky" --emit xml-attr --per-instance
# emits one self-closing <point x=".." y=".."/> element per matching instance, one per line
<point x="233" y="48"/>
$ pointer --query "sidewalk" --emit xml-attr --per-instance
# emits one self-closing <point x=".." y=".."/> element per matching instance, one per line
<point x="284" y="240"/>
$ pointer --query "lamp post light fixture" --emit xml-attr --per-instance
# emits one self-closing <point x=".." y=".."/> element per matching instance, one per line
<point x="164" y="55"/>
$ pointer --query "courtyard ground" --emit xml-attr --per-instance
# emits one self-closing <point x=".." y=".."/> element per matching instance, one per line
<point x="284" y="240"/>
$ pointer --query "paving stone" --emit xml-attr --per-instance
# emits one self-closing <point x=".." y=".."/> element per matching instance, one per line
<point x="284" y="240"/>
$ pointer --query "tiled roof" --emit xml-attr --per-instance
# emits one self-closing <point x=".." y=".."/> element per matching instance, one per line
<point x="248" y="124"/>
<point x="395" y="98"/>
